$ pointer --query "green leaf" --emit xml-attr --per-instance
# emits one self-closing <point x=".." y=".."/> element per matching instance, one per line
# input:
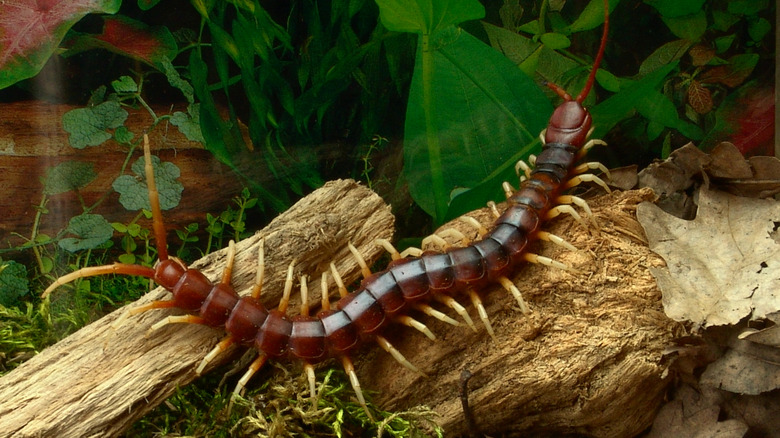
<point x="91" y="231"/>
<point x="89" y="126"/>
<point x="677" y="8"/>
<point x="13" y="283"/>
<point x="689" y="27"/>
<point x="555" y="41"/>
<point x="67" y="176"/>
<point x="31" y="31"/>
<point x="145" y="5"/>
<point x="123" y="135"/>
<point x="189" y="122"/>
<point x="747" y="7"/>
<point x="469" y="111"/>
<point x="125" y="84"/>
<point x="427" y="16"/>
<point x="664" y="55"/>
<point x="175" y="79"/>
<point x="758" y="29"/>
<point x="592" y="16"/>
<point x="658" y="108"/>
<point x="134" y="193"/>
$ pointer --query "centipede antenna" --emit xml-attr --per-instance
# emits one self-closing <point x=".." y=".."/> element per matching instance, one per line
<point x="548" y="237"/>
<point x="309" y="369"/>
<point x="154" y="202"/>
<point x="339" y="282"/>
<point x="176" y="319"/>
<point x="415" y="324"/>
<point x="324" y="291"/>
<point x="349" y="368"/>
<point x="223" y="345"/>
<point x="360" y="260"/>
<point x="388" y="347"/>
<point x="384" y="243"/>
<point x="288" y="285"/>
<point x="92" y="271"/>
<point x="259" y="277"/>
<point x="454" y="305"/>
<point x="588" y="177"/>
<point x="304" y="296"/>
<point x="231" y="257"/>
<point x="253" y="368"/>
<point x="542" y="260"/>
<point x="599" y="56"/>
<point x="511" y="288"/>
<point x="430" y="311"/>
<point x="483" y="316"/>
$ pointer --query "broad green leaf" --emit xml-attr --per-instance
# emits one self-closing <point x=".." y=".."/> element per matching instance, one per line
<point x="592" y="16"/>
<point x="89" y="126"/>
<point x="605" y="115"/>
<point x="480" y="110"/>
<point x="688" y="27"/>
<point x="176" y="80"/>
<point x="91" y="231"/>
<point x="677" y="8"/>
<point x="555" y="41"/>
<point x="145" y="5"/>
<point x="31" y="30"/>
<point x="758" y="29"/>
<point x="427" y="16"/>
<point x="658" y="108"/>
<point x="747" y="7"/>
<point x="134" y="193"/>
<point x="67" y="176"/>
<point x="13" y="283"/>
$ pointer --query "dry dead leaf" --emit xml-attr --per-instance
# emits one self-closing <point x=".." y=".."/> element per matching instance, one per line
<point x="722" y="266"/>
<point x="693" y="415"/>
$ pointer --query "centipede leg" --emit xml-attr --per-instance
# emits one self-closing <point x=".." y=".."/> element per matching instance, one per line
<point x="579" y="202"/>
<point x="588" y="177"/>
<point x="430" y="311"/>
<point x="364" y="269"/>
<point x="542" y="260"/>
<point x="511" y="288"/>
<point x="222" y="346"/>
<point x="456" y="306"/>
<point x="349" y="368"/>
<point x="589" y="145"/>
<point x="567" y="209"/>
<point x="483" y="316"/>
<point x="549" y="237"/>
<point x="592" y="165"/>
<point x="388" y="347"/>
<point x="253" y="368"/>
<point x="415" y="324"/>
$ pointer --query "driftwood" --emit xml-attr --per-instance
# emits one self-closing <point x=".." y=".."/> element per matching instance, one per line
<point x="32" y="140"/>
<point x="101" y="379"/>
<point x="588" y="359"/>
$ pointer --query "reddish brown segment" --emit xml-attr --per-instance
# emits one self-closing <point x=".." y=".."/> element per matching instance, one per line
<point x="363" y="314"/>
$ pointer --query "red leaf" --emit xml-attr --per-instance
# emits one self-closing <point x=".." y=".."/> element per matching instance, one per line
<point x="747" y="119"/>
<point x="137" y="40"/>
<point x="30" y="31"/>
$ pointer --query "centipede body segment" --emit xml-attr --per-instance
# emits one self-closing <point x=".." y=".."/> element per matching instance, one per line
<point x="387" y="296"/>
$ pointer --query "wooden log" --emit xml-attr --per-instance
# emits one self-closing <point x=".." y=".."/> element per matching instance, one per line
<point x="587" y="361"/>
<point x="32" y="140"/>
<point x="98" y="381"/>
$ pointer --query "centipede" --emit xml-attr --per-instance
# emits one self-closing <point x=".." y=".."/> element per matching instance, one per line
<point x="412" y="280"/>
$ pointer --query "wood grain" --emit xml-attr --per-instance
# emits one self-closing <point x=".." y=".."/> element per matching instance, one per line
<point x="98" y="381"/>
